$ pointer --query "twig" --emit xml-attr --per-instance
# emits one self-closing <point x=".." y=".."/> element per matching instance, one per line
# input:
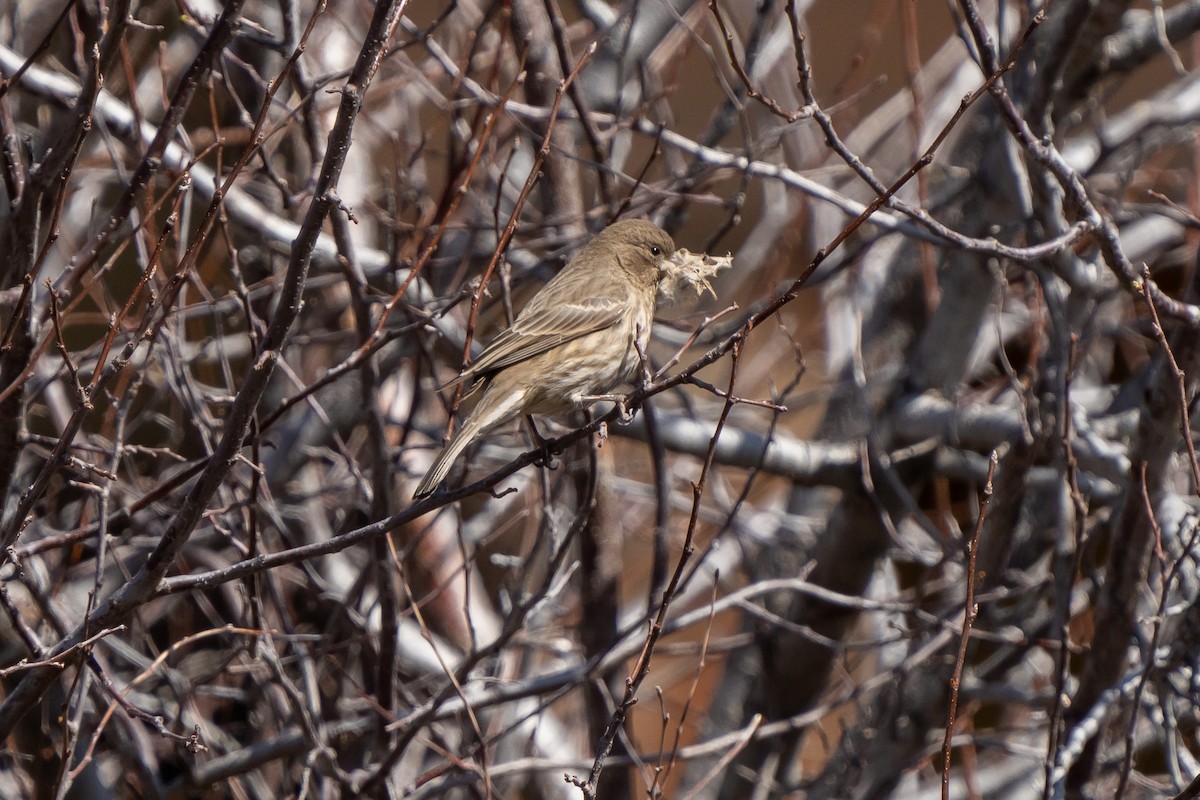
<point x="970" y="609"/>
<point x="58" y="660"/>
<point x="695" y="334"/>
<point x="768" y="102"/>
<point x="642" y="667"/>
<point x="141" y="586"/>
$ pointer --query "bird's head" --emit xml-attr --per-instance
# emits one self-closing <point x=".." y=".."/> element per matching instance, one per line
<point x="649" y="256"/>
<point x="642" y="249"/>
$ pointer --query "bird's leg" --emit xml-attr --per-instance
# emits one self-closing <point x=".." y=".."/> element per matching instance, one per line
<point x="543" y="444"/>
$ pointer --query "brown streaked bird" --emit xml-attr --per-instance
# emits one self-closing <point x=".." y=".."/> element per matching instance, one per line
<point x="577" y="339"/>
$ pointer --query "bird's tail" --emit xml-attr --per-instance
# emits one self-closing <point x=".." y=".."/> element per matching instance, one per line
<point x="492" y="410"/>
<point x="445" y="460"/>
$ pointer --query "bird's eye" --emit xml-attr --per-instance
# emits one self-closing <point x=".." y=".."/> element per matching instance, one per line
<point x="655" y="250"/>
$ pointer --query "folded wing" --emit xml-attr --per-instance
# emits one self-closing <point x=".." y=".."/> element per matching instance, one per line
<point x="540" y="329"/>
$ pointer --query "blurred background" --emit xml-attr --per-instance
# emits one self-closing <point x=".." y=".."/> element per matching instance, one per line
<point x="907" y="510"/>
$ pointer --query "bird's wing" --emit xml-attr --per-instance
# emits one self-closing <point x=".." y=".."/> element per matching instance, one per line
<point x="538" y="329"/>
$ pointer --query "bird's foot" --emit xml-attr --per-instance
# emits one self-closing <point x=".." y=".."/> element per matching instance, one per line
<point x="546" y="459"/>
<point x="624" y="414"/>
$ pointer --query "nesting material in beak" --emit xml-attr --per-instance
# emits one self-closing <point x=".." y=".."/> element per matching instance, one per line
<point x="685" y="268"/>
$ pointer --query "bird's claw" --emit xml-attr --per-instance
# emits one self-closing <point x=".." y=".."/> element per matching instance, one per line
<point x="546" y="459"/>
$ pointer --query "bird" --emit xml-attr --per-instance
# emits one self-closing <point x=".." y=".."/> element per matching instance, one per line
<point x="577" y="339"/>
